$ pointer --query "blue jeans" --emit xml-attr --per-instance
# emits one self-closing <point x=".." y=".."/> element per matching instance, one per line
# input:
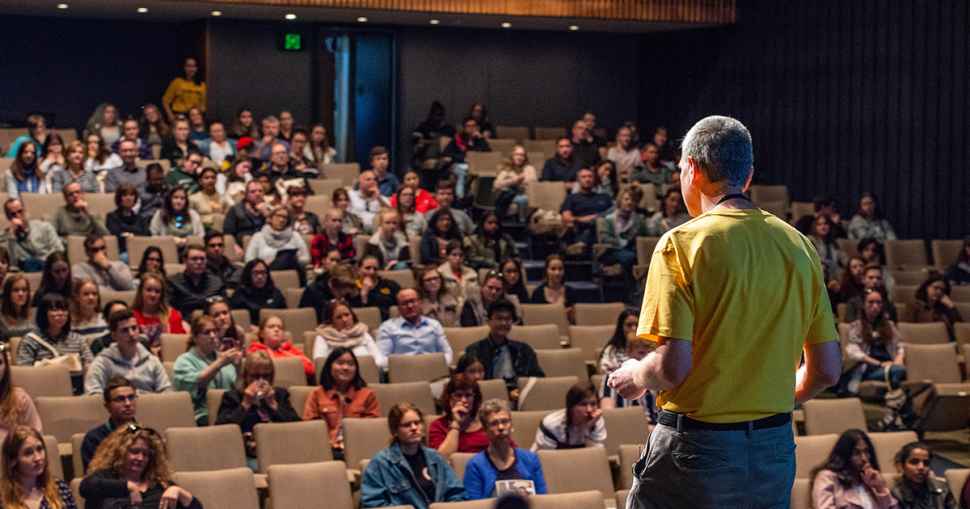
<point x="626" y="257"/>
<point x="897" y="374"/>
<point x="715" y="469"/>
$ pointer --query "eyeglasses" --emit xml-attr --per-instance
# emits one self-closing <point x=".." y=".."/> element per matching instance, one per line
<point x="122" y="399"/>
<point x="96" y="249"/>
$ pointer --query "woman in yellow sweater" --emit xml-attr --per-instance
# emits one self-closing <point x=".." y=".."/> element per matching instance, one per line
<point x="184" y="93"/>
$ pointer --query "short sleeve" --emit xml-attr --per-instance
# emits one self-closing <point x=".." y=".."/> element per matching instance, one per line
<point x="668" y="300"/>
<point x="822" y="328"/>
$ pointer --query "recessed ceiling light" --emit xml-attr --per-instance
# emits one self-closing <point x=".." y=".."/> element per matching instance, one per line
<point x="506" y="24"/>
<point x="362" y="19"/>
<point x="142" y="10"/>
<point x="434" y="21"/>
<point x="290" y="16"/>
<point x="573" y="27"/>
<point x="62" y="6"/>
<point x="217" y="13"/>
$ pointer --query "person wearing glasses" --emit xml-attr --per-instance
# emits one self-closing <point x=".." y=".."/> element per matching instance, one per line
<point x="74" y="218"/>
<point x="121" y="402"/>
<point x="501" y="461"/>
<point x="126" y="357"/>
<point x="27" y="480"/>
<point x="54" y="342"/>
<point x="29" y="241"/>
<point x="210" y="363"/>
<point x="503" y="357"/>
<point x="131" y="469"/>
<point x="106" y="273"/>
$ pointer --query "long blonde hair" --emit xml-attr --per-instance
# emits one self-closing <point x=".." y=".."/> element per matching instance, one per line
<point x="11" y="492"/>
<point x="139" y="303"/>
<point x="111" y="454"/>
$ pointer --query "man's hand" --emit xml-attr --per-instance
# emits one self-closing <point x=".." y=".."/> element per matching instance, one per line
<point x="81" y="205"/>
<point x="623" y="380"/>
<point x="101" y="260"/>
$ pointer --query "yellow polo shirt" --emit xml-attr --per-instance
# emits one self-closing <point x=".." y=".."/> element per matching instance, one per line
<point x="747" y="290"/>
<point x="183" y="95"/>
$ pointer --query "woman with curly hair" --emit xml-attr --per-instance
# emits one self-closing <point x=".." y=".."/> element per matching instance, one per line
<point x="16" y="407"/>
<point x="131" y="469"/>
<point x="26" y="482"/>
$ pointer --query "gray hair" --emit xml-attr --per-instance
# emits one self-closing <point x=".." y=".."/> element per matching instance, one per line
<point x="491" y="407"/>
<point x="721" y="146"/>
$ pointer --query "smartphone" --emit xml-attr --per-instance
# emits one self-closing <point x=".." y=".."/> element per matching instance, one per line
<point x="228" y="343"/>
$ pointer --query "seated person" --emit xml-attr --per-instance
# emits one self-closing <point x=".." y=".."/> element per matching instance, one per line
<point x="56" y="278"/>
<point x="672" y="213"/>
<point x="106" y="273"/>
<point x="563" y="166"/>
<point x="380" y="162"/>
<point x="176" y="219"/>
<point x="257" y="291"/>
<point x="53" y="339"/>
<point x="613" y="354"/>
<point x="619" y="231"/>
<point x="254" y="399"/>
<point x="190" y="289"/>
<point x="503" y="357"/>
<point x="28" y="481"/>
<point x="126" y="357"/>
<point x="917" y="486"/>
<point x="131" y="469"/>
<point x="436" y="301"/>
<point x="959" y="272"/>
<point x="850" y="476"/>
<point x="869" y="223"/>
<point x="100" y="343"/>
<point x="29" y="241"/>
<point x="580" y="424"/>
<point x="460" y="280"/>
<point x="124" y="221"/>
<point x="824" y="206"/>
<point x="492" y="289"/>
<point x="441" y="231"/>
<point x="332" y="237"/>
<point x="418" y="474"/>
<point x="366" y="200"/>
<point x="339" y="282"/>
<point x="153" y="313"/>
<point x="933" y="304"/>
<point x="445" y="197"/>
<point x="207" y="201"/>
<point x="453" y="156"/>
<point x="581" y="209"/>
<point x="74" y="218"/>
<point x="248" y="216"/>
<point x="412" y="333"/>
<point x="874" y="347"/>
<point x="500" y="461"/>
<point x="389" y="242"/>
<point x="470" y="366"/>
<point x="423" y="200"/>
<point x="85" y="310"/>
<point x="872" y="279"/>
<point x="273" y="339"/>
<point x="374" y="289"/>
<point x="210" y="363"/>
<point x="459" y="429"/>
<point x="22" y="411"/>
<point x="342" y="330"/>
<point x="553" y="287"/>
<point x="121" y="402"/>
<point x="873" y="252"/>
<point x="342" y="393"/>
<point x="278" y="245"/>
<point x="636" y="348"/>
<point x="489" y="244"/>
<point x="512" y="183"/>
<point x="217" y="262"/>
<point x="413" y="222"/>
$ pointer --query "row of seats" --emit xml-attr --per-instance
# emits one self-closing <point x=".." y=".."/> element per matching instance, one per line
<point x="801" y="494"/>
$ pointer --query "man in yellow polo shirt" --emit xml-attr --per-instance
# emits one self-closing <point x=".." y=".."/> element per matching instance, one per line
<point x="734" y="298"/>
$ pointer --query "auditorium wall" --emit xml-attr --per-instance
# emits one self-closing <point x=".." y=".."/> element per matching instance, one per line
<point x="841" y="97"/>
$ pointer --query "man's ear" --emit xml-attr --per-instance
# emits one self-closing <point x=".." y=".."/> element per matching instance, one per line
<point x="747" y="181"/>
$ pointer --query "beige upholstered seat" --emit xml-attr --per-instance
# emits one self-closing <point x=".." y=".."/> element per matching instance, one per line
<point x="598" y="314"/>
<point x="824" y="416"/>
<point x="625" y="426"/>
<point x="289" y="443"/>
<point x="64" y="416"/>
<point x="418" y="393"/>
<point x="460" y="337"/>
<point x="811" y="451"/>
<point x="590" y="339"/>
<point x="906" y="254"/>
<point x="563" y="476"/>
<point x="322" y="484"/>
<point x="197" y="449"/>
<point x="295" y="321"/>
<point x="887" y="444"/>
<point x="540" y="335"/>
<point x="563" y="362"/>
<point x="347" y="173"/>
<point x="42" y="380"/>
<point x="923" y="333"/>
<point x="165" y="410"/>
<point x="629" y="454"/>
<point x="363" y="438"/>
<point x="174" y="345"/>
<point x="227" y="488"/>
<point x="545" y="393"/>
<point x="289" y="371"/>
<point x="416" y="368"/>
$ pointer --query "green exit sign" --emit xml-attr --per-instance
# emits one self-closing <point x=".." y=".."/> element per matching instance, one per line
<point x="292" y="41"/>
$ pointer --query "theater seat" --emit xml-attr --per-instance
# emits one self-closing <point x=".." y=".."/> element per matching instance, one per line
<point x="459" y="461"/>
<point x="232" y="487"/>
<point x="923" y="333"/>
<point x="64" y="416"/>
<point x="289" y="371"/>
<point x="165" y="410"/>
<point x="42" y="380"/>
<point x="811" y="451"/>
<point x="416" y="368"/>
<point x="193" y="449"/>
<point x="625" y="426"/>
<point x="563" y="362"/>
<point x="887" y="444"/>
<point x="906" y="254"/>
<point x="540" y="333"/>
<point x="598" y="314"/>
<point x="173" y="345"/>
<point x="460" y="337"/>
<point x="563" y="476"/>
<point x="525" y="423"/>
<point x="801" y="494"/>
<point x="629" y="455"/>
<point x="363" y="438"/>
<point x="290" y="443"/>
<point x="957" y="478"/>
<point x="418" y="393"/>
<point x="833" y="415"/>
<point x="321" y="484"/>
<point x="544" y="393"/>
<point x="579" y="500"/>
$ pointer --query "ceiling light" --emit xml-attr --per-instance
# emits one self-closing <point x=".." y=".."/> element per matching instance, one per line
<point x="62" y="6"/>
<point x="434" y="22"/>
<point x="290" y="16"/>
<point x="362" y="19"/>
<point x="142" y="10"/>
<point x="217" y="13"/>
<point x="573" y="28"/>
<point x="506" y="24"/>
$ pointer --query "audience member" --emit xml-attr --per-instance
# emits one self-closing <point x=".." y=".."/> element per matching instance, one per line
<point x="471" y="367"/>
<point x="152" y="198"/>
<point x="36" y="135"/>
<point x="366" y="201"/>
<point x="152" y="260"/>
<point x="278" y="245"/>
<point x="351" y="224"/>
<point x="636" y="348"/>
<point x="16" y="407"/>
<point x="605" y="180"/>
<point x="280" y="169"/>
<point x="218" y="148"/>
<point x="585" y="151"/>
<point x="114" y="306"/>
<point x="339" y="282"/>
<point x="672" y="214"/>
<point x="152" y="126"/>
<point x="512" y="273"/>
<point x="474" y="311"/>
<point x="613" y="354"/>
<point x="425" y="137"/>
<point x="248" y="216"/>
<point x="619" y="231"/>
<point x="868" y="222"/>
<point x="207" y="202"/>
<point x="255" y="399"/>
<point x="412" y="333"/>
<point x="190" y="288"/>
<point x="74" y="170"/>
<point x="824" y="206"/>
<point x="98" y="158"/>
<point x="29" y="241"/>
<point x="489" y="245"/>
<point x="56" y="278"/>
<point x="833" y="259"/>
<point x="273" y="339"/>
<point x="209" y="363"/>
<point x="318" y="150"/>
<point x="480" y="114"/>
<point x="85" y="310"/>
<point x="917" y="487"/>
<point x="25" y="175"/>
<point x="501" y="461"/>
<point x="460" y="280"/>
<point x="53" y="342"/>
<point x="124" y="222"/>
<point x="419" y="475"/>
<point x="257" y="291"/>
<point x="512" y="184"/>
<point x="387" y="181"/>
<point x="52" y="153"/>
<point x="343" y="330"/>
<point x="197" y="130"/>
<point x="27" y="480"/>
<point x="342" y="393"/>
<point x="15" y="319"/>
<point x="178" y="146"/>
<point x="232" y="183"/>
<point x="126" y="357"/>
<point x="218" y="309"/>
<point x="873" y="253"/>
<point x="851" y="284"/>
<point x="414" y="224"/>
<point x="304" y="221"/>
<point x="74" y="218"/>
<point x="651" y="169"/>
<point x="959" y="272"/>
<point x="665" y="150"/>
<point x="564" y="165"/>
<point x="389" y="243"/>
<point x="441" y="232"/>
<point x="244" y="126"/>
<point x="423" y="200"/>
<point x="850" y="476"/>
<point x="106" y="273"/>
<point x="933" y="304"/>
<point x="874" y="346"/>
<point x="504" y="358"/>
<point x="185" y="92"/>
<point x="872" y="279"/>
<point x="130" y="150"/>
<point x="459" y="429"/>
<point x="121" y="402"/>
<point x="581" y="209"/>
<point x="445" y="197"/>
<point x="436" y="301"/>
<point x="580" y="424"/>
<point x="217" y="262"/>
<point x="470" y="139"/>
<point x="625" y="155"/>
<point x="553" y="288"/>
<point x="176" y="219"/>
<point x="332" y="237"/>
<point x="374" y="290"/>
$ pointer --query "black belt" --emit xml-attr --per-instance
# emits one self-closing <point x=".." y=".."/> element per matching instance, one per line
<point x="686" y="423"/>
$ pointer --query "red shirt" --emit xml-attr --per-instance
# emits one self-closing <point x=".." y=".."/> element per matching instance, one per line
<point x="468" y="441"/>
<point x="423" y="201"/>
<point x="174" y="321"/>
<point x="285" y="350"/>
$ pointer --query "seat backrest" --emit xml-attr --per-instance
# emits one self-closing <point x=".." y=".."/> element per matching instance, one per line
<point x="64" y="416"/>
<point x="165" y="410"/>
<point x="645" y="247"/>
<point x="404" y="278"/>
<point x="75" y="248"/>
<point x="286" y="278"/>
<point x="629" y="454"/>
<point x="54" y="456"/>
<point x="484" y="503"/>
<point x="887" y="444"/>
<point x="539" y="335"/>
<point x="459" y="461"/>
<point x="325" y="187"/>
<point x="580" y="500"/>
<point x="370" y="316"/>
<point x="493" y="389"/>
<point x="811" y="451"/>
<point x="241" y="318"/>
<point x="344" y="172"/>
<point x="295" y="321"/>
<point x="562" y="476"/>
<point x="833" y="415"/>
<point x="213" y="400"/>
<point x="288" y="443"/>
<point x="960" y="293"/>
<point x="296" y="486"/>
<point x="174" y="345"/>
<point x="503" y="145"/>
<point x="42" y="206"/>
<point x="957" y="478"/>
<point x="924" y="333"/>
<point x="525" y="423"/>
<point x="100" y="204"/>
<point x="598" y="314"/>
<point x="483" y="163"/>
<point x="904" y="294"/>
<point x="207" y="448"/>
<point x="415" y="368"/>
<point x="546" y="195"/>
<point x="460" y="337"/>
<point x="549" y="133"/>
<point x="108" y="295"/>
<point x="42" y="380"/>
<point x="545" y="393"/>
<point x="590" y="339"/>
<point x="77" y="440"/>
<point x="363" y="438"/>
<point x="908" y="277"/>
<point x="418" y="393"/>
<point x="626" y="425"/>
<point x="563" y="362"/>
<point x="518" y="133"/>
<point x="138" y="245"/>
<point x="293" y="296"/>
<point x="298" y="396"/>
<point x="232" y="487"/>
<point x="932" y="363"/>
<point x="945" y="252"/>
<point x="289" y="371"/>
<point x="801" y="494"/>
<point x="906" y="253"/>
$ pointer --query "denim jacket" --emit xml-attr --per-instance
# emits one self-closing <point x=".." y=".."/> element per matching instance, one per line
<point x="388" y="480"/>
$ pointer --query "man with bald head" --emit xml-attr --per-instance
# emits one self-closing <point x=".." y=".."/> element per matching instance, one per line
<point x="412" y="333"/>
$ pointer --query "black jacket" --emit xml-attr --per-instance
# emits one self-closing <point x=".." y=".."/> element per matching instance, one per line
<point x="119" y="223"/>
<point x="316" y="295"/>
<point x="105" y="489"/>
<point x="187" y="296"/>
<point x="239" y="222"/>
<point x="232" y="412"/>
<point x="524" y="359"/>
<point x="252" y="300"/>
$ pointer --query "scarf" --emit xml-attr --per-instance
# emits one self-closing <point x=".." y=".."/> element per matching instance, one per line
<point x="276" y="239"/>
<point x="349" y="338"/>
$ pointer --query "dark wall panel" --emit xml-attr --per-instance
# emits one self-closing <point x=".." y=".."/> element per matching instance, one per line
<point x="841" y="97"/>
